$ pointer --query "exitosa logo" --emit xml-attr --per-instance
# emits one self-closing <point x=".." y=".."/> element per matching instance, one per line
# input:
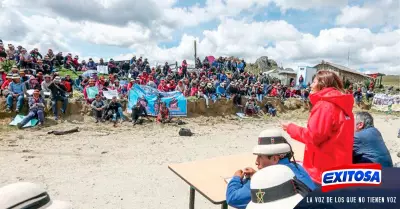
<point x="351" y="175"/>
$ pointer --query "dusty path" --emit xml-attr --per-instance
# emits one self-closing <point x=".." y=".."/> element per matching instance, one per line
<point x="125" y="167"/>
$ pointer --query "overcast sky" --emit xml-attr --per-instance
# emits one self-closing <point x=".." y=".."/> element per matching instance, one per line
<point x="292" y="32"/>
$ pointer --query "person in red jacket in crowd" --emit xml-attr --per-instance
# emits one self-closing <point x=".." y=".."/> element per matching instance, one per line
<point x="172" y="85"/>
<point x="162" y="86"/>
<point x="130" y="84"/>
<point x="274" y="91"/>
<point x="329" y="135"/>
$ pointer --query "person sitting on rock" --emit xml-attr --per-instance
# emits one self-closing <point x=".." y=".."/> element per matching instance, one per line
<point x="58" y="93"/>
<point x="16" y="91"/>
<point x="36" y="109"/>
<point x="272" y="149"/>
<point x="113" y="111"/>
<point x="139" y="110"/>
<point x="221" y="92"/>
<point x="6" y="83"/>
<point x="369" y="146"/>
<point x="250" y="107"/>
<point x="32" y="84"/>
<point x="271" y="110"/>
<point x="45" y="85"/>
<point x="163" y="114"/>
<point x="98" y="107"/>
<point x="90" y="84"/>
<point x="259" y="91"/>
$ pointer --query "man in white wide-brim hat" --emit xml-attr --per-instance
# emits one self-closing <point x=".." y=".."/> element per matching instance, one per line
<point x="28" y="195"/>
<point x="272" y="149"/>
<point x="276" y="187"/>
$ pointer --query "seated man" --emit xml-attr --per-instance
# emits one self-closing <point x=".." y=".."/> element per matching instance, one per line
<point x="272" y="149"/>
<point x="45" y="86"/>
<point x="271" y="110"/>
<point x="250" y="108"/>
<point x="138" y="111"/>
<point x="58" y="93"/>
<point x="163" y="114"/>
<point x="15" y="91"/>
<point x="36" y="109"/>
<point x="369" y="146"/>
<point x="98" y="106"/>
<point x="114" y="111"/>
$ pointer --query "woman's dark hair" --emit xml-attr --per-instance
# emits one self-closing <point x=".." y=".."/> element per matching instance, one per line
<point x="327" y="79"/>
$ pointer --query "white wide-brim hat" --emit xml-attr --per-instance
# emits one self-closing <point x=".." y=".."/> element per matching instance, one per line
<point x="271" y="142"/>
<point x="22" y="194"/>
<point x="275" y="187"/>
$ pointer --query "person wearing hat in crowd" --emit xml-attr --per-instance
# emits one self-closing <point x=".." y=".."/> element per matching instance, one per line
<point x="45" y="85"/>
<point x="32" y="84"/>
<point x="16" y="91"/>
<point x="98" y="106"/>
<point x="58" y="93"/>
<point x="23" y="76"/>
<point x="25" y="59"/>
<point x="28" y="196"/>
<point x="275" y="187"/>
<point x="272" y="149"/>
<point x="36" y="109"/>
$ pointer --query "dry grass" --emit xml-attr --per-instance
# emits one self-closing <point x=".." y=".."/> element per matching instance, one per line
<point x="391" y="80"/>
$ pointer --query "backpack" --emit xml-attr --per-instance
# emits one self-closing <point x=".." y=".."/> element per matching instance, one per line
<point x="185" y="132"/>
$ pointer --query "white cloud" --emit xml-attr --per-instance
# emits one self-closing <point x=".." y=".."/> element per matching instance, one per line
<point x="374" y="13"/>
<point x="239" y="37"/>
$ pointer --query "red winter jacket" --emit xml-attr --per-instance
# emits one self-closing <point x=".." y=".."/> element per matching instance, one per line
<point x="328" y="137"/>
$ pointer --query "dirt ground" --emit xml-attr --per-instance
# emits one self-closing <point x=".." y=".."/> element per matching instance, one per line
<point x="127" y="167"/>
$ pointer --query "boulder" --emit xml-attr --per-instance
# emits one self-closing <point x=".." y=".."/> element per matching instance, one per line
<point x="265" y="64"/>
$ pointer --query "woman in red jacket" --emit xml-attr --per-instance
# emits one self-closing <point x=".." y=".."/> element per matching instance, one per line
<point x="328" y="137"/>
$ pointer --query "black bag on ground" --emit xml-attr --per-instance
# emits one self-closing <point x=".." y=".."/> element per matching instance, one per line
<point x="185" y="132"/>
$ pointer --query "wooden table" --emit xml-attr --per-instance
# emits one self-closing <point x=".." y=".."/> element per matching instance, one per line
<point x="207" y="176"/>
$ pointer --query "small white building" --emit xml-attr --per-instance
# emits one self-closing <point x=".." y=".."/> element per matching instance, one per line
<point x="307" y="73"/>
<point x="286" y="76"/>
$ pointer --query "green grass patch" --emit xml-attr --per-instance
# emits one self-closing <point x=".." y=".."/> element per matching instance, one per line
<point x="74" y="75"/>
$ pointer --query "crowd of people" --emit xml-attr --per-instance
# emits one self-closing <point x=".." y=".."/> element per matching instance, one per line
<point x="211" y="79"/>
<point x="334" y="137"/>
